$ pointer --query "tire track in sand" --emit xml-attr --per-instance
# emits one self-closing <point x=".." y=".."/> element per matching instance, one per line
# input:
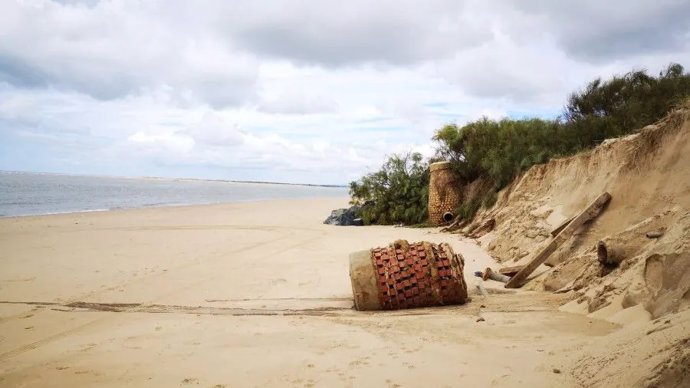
<point x="290" y="232"/>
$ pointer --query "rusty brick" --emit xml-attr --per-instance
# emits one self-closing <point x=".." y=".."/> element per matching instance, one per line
<point x="405" y="278"/>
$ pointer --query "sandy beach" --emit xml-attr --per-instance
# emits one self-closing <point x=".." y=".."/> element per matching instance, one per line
<point x="255" y="294"/>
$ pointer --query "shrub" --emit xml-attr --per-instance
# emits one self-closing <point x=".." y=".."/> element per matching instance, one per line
<point x="612" y="108"/>
<point x="398" y="192"/>
<point x="498" y="150"/>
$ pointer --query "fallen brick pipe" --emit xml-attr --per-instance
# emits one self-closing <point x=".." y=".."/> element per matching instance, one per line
<point x="609" y="254"/>
<point x="404" y="275"/>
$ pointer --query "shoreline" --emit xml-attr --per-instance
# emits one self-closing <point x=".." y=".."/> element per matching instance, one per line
<point x="163" y="206"/>
<point x="175" y="179"/>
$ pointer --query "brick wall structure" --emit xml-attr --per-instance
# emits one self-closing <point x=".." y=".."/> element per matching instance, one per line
<point x="444" y="191"/>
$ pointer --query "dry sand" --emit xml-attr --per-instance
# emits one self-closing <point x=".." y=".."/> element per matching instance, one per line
<point x="258" y="294"/>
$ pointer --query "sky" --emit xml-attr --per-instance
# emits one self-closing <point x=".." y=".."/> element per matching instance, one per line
<point x="297" y="91"/>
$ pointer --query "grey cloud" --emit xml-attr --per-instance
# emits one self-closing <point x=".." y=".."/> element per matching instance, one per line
<point x="335" y="33"/>
<point x="112" y="50"/>
<point x="89" y="3"/>
<point x="18" y="73"/>
<point x="598" y="31"/>
<point x="101" y="83"/>
<point x="210" y="52"/>
<point x="489" y="85"/>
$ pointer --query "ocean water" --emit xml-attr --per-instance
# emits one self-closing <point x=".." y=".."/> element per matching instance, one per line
<point x="24" y="194"/>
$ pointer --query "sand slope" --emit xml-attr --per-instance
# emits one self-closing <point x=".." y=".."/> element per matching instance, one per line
<point x="648" y="176"/>
<point x="255" y="294"/>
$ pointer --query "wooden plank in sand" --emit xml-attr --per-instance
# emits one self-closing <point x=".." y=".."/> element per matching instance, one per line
<point x="511" y="271"/>
<point x="561" y="226"/>
<point x="592" y="211"/>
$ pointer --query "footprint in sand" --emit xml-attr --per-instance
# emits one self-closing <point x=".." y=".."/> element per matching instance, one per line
<point x="190" y="380"/>
<point x="408" y="365"/>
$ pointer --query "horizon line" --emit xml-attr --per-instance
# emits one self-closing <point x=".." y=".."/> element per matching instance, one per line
<point x="151" y="177"/>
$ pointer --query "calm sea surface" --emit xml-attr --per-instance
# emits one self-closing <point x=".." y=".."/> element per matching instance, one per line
<point x="34" y="194"/>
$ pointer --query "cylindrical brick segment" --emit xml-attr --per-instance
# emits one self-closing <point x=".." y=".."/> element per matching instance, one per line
<point x="404" y="275"/>
<point x="444" y="192"/>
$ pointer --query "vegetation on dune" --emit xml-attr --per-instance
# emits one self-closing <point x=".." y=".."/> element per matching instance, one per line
<point x="499" y="150"/>
<point x="607" y="109"/>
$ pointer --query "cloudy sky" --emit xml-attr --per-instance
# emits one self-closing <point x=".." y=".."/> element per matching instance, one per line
<point x="296" y="91"/>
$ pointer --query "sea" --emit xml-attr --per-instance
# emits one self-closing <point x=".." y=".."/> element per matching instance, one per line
<point x="24" y="193"/>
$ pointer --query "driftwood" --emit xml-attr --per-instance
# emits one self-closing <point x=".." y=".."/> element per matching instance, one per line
<point x="486" y="227"/>
<point x="511" y="271"/>
<point x="455" y="225"/>
<point x="561" y="226"/>
<point x="490" y="274"/>
<point x="655" y="234"/>
<point x="592" y="211"/>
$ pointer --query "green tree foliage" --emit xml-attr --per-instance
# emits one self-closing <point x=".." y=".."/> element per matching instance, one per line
<point x="606" y="109"/>
<point x="498" y="149"/>
<point x="398" y="192"/>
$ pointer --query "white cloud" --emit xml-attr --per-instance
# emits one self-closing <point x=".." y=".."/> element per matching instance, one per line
<point x="213" y="130"/>
<point x="164" y="142"/>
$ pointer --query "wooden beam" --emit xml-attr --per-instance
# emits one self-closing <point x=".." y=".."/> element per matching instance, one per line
<point x="561" y="226"/>
<point x="511" y="271"/>
<point x="592" y="211"/>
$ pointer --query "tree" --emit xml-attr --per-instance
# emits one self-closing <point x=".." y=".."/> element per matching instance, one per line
<point x="398" y="192"/>
<point x="612" y="108"/>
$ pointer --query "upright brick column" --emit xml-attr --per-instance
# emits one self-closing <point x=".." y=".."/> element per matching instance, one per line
<point x="444" y="191"/>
